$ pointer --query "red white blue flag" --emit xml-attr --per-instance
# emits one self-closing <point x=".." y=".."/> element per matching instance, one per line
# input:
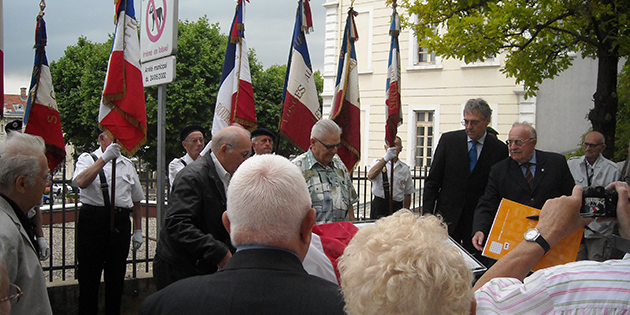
<point x="41" y="117"/>
<point x="122" y="113"/>
<point x="392" y="110"/>
<point x="346" y="106"/>
<point x="301" y="108"/>
<point x="235" y="100"/>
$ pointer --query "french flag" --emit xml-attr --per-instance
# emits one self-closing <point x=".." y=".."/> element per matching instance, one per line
<point x="346" y="106"/>
<point x="392" y="110"/>
<point x="41" y="117"/>
<point x="235" y="99"/>
<point x="301" y="108"/>
<point x="122" y="112"/>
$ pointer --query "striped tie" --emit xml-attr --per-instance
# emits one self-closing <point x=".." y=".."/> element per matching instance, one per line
<point x="529" y="177"/>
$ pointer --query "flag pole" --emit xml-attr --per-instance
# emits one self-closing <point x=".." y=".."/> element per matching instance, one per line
<point x="392" y="142"/>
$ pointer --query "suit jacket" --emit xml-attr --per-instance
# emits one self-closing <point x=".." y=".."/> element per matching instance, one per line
<point x="254" y="281"/>
<point x="552" y="179"/>
<point x="23" y="267"/>
<point x="193" y="237"/>
<point x="451" y="189"/>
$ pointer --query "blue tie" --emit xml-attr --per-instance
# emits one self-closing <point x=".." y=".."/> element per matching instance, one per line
<point x="472" y="155"/>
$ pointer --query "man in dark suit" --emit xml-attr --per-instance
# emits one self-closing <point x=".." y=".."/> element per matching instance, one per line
<point x="459" y="171"/>
<point x="193" y="240"/>
<point x="270" y="219"/>
<point x="528" y="176"/>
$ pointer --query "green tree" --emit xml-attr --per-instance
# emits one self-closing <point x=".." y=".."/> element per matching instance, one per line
<point x="538" y="38"/>
<point x="623" y="115"/>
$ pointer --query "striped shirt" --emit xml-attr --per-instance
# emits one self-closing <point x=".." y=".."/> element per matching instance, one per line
<point x="584" y="287"/>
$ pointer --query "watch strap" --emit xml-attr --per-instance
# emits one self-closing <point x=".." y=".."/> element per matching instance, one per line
<point x="543" y="243"/>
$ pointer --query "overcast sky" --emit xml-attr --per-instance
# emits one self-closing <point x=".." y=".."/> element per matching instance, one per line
<point x="268" y="29"/>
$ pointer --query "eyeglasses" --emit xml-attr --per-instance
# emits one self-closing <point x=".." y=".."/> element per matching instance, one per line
<point x="196" y="140"/>
<point x="47" y="178"/>
<point x="329" y="146"/>
<point x="14" y="294"/>
<point x="518" y="142"/>
<point x="244" y="154"/>
<point x="473" y="123"/>
<point x="591" y="145"/>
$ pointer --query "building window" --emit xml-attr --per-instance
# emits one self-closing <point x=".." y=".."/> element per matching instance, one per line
<point x="18" y="107"/>
<point x="425" y="56"/>
<point x="424" y="138"/>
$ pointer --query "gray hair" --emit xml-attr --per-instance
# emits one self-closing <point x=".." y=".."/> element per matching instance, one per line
<point x="325" y="127"/>
<point x="478" y="104"/>
<point x="266" y="201"/>
<point x="19" y="155"/>
<point x="532" y="130"/>
<point x="229" y="136"/>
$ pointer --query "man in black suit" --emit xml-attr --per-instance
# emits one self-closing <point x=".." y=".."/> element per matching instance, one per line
<point x="459" y="171"/>
<point x="270" y="219"/>
<point x="528" y="176"/>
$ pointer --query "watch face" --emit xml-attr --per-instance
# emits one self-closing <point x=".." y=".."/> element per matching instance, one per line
<point x="531" y="234"/>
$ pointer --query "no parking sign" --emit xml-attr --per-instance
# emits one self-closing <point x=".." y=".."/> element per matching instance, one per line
<point x="158" y="29"/>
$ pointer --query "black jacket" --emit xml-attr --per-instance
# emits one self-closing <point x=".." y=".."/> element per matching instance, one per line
<point x="193" y="237"/>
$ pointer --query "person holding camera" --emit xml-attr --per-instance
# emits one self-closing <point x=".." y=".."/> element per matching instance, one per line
<point x="582" y="287"/>
<point x="592" y="170"/>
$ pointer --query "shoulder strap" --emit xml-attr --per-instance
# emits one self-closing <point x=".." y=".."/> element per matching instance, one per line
<point x="183" y="162"/>
<point x="385" y="183"/>
<point x="104" y="186"/>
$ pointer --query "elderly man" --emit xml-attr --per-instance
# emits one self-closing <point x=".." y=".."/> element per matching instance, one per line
<point x="380" y="173"/>
<point x="193" y="240"/>
<point x="591" y="170"/>
<point x="528" y="176"/>
<point x="459" y="171"/>
<point x="24" y="176"/>
<point x="193" y="142"/>
<point x="262" y="141"/>
<point x="265" y="275"/>
<point x="103" y="229"/>
<point x="327" y="178"/>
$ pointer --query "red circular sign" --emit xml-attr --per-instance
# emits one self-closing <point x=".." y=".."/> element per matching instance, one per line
<point x="155" y="20"/>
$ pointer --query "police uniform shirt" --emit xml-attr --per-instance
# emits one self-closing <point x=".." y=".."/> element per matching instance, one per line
<point x="176" y="165"/>
<point x="402" y="179"/>
<point x="128" y="187"/>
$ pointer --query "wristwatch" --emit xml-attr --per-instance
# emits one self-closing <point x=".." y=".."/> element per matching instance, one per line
<point x="533" y="235"/>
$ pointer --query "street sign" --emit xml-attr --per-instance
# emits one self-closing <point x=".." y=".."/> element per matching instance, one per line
<point x="158" y="29"/>
<point x="160" y="71"/>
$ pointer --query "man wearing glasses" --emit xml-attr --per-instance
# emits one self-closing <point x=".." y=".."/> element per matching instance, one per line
<point x="528" y="176"/>
<point x="459" y="171"/>
<point x="591" y="170"/>
<point x="193" y="240"/>
<point x="193" y="142"/>
<point x="327" y="178"/>
<point x="25" y="176"/>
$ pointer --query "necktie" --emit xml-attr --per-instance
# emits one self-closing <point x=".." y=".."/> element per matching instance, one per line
<point x="472" y="155"/>
<point x="528" y="175"/>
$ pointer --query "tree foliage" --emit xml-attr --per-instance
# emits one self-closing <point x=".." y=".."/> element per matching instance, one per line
<point x="538" y="38"/>
<point x="78" y="78"/>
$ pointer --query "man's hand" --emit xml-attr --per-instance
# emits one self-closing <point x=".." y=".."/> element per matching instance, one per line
<point x="560" y="217"/>
<point x="623" y="208"/>
<point x="224" y="260"/>
<point x="44" y="250"/>
<point x="477" y="240"/>
<point x="112" y="152"/>
<point x="390" y="154"/>
<point x="137" y="239"/>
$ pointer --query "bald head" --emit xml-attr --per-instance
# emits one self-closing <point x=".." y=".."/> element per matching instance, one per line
<point x="231" y="146"/>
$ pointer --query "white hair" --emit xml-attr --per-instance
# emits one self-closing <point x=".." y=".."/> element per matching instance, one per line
<point x="404" y="265"/>
<point x="19" y="155"/>
<point x="324" y="127"/>
<point x="266" y="201"/>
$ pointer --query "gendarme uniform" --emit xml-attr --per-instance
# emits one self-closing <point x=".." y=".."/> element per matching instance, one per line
<point x="403" y="184"/>
<point x="330" y="187"/>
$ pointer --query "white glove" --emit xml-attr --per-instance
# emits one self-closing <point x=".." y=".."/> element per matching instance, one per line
<point x="112" y="152"/>
<point x="391" y="154"/>
<point x="44" y="250"/>
<point x="137" y="239"/>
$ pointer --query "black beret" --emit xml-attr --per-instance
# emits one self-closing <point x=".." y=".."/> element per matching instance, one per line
<point x="262" y="132"/>
<point x="15" y="125"/>
<point x="189" y="129"/>
<point x="492" y="130"/>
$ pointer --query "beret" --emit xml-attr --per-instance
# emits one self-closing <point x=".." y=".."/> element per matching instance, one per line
<point x="15" y="125"/>
<point x="261" y="132"/>
<point x="189" y="129"/>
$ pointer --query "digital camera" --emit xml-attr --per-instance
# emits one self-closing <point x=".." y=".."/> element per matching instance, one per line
<point x="599" y="202"/>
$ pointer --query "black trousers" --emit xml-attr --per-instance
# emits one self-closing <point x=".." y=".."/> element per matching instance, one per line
<point x="98" y="250"/>
<point x="380" y="207"/>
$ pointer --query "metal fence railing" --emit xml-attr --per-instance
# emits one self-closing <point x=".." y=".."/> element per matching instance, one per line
<point x="60" y="213"/>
